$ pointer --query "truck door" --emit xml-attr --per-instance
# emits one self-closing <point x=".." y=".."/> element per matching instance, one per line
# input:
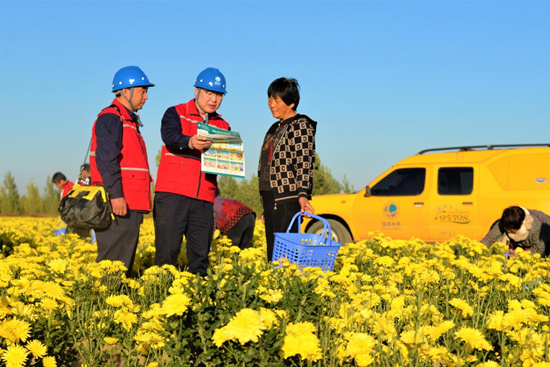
<point x="396" y="205"/>
<point x="454" y="207"/>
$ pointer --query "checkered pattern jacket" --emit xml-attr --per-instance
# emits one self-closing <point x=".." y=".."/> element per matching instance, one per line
<point x="292" y="161"/>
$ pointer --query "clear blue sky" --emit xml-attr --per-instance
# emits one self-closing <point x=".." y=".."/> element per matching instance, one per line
<point x="384" y="79"/>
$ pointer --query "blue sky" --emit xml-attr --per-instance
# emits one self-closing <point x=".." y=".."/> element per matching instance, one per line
<point x="384" y="79"/>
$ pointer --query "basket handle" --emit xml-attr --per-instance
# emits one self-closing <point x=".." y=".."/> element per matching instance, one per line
<point x="326" y="225"/>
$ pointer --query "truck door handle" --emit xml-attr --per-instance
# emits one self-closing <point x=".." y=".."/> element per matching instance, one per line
<point x="418" y="204"/>
<point x="467" y="203"/>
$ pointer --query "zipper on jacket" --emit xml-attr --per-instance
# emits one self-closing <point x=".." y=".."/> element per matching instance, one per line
<point x="273" y="155"/>
<point x="199" y="187"/>
<point x="279" y="142"/>
<point x="206" y="121"/>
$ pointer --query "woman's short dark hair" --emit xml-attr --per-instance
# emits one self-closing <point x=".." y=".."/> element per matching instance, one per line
<point x="512" y="218"/>
<point x="287" y="89"/>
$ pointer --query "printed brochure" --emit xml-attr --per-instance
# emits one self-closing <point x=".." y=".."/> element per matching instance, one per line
<point x="226" y="154"/>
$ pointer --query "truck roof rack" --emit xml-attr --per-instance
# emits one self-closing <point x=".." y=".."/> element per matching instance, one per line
<point x="481" y="147"/>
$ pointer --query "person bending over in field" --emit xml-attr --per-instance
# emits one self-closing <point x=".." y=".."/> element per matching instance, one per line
<point x="520" y="227"/>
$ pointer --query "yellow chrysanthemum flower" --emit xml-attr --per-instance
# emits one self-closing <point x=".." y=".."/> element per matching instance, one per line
<point x="361" y="346"/>
<point x="384" y="261"/>
<point x="515" y="319"/>
<point x="246" y="326"/>
<point x="268" y="317"/>
<point x="58" y="265"/>
<point x="120" y="300"/>
<point x="436" y="332"/>
<point x="37" y="348"/>
<point x="15" y="330"/>
<point x="496" y="321"/>
<point x="429" y="277"/>
<point x="49" y="304"/>
<point x="127" y="319"/>
<point x="439" y="355"/>
<point x="301" y="340"/>
<point x="49" y="362"/>
<point x="412" y="338"/>
<point x="324" y="289"/>
<point x="175" y="304"/>
<point x="489" y="364"/>
<point x="251" y="253"/>
<point x="463" y="306"/>
<point x="382" y="327"/>
<point x="473" y="338"/>
<point x="132" y="283"/>
<point x="110" y="340"/>
<point x="271" y="295"/>
<point x="15" y="356"/>
<point x="148" y="339"/>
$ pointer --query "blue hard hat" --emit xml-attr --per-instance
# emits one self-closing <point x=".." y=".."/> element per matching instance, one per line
<point x="211" y="79"/>
<point x="130" y="76"/>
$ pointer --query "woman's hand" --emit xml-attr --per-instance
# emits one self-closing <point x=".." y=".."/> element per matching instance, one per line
<point x="510" y="253"/>
<point x="305" y="206"/>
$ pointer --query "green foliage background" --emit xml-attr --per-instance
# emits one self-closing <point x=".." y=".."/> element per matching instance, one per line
<point x="244" y="190"/>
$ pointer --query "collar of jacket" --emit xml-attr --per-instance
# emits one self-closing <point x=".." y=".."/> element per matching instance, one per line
<point x="288" y="120"/>
<point x="126" y="113"/>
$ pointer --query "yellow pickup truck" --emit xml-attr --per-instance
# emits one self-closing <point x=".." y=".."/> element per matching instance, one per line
<point x="439" y="193"/>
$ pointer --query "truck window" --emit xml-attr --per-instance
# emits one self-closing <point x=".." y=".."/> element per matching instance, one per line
<point x="401" y="182"/>
<point x="455" y="181"/>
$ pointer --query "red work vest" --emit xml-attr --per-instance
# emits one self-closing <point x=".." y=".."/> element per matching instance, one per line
<point x="134" y="167"/>
<point x="180" y="173"/>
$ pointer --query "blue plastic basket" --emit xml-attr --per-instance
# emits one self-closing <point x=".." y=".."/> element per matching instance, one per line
<point x="306" y="249"/>
<point x="60" y="231"/>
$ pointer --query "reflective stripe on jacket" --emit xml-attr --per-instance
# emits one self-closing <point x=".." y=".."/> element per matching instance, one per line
<point x="134" y="166"/>
<point x="180" y="172"/>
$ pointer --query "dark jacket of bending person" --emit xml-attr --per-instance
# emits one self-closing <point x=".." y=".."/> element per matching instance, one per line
<point x="519" y="227"/>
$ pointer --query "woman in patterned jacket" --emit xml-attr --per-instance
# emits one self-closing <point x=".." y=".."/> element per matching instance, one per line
<point x="520" y="227"/>
<point x="285" y="171"/>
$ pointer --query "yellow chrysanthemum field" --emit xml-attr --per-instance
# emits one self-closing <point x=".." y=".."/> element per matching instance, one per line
<point x="387" y="303"/>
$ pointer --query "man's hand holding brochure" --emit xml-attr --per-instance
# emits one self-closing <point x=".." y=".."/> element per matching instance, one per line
<point x="226" y="154"/>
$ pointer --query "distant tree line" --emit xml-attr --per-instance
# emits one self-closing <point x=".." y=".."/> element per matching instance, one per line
<point x="32" y="203"/>
<point x="246" y="191"/>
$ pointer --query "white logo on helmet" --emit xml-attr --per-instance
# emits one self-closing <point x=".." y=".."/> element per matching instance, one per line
<point x="132" y="81"/>
<point x="218" y="79"/>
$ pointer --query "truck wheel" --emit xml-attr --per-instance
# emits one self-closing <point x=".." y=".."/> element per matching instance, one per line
<point x="339" y="232"/>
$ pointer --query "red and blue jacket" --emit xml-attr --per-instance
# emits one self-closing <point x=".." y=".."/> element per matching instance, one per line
<point x="179" y="170"/>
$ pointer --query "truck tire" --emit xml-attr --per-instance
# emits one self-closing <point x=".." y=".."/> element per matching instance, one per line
<point x="339" y="232"/>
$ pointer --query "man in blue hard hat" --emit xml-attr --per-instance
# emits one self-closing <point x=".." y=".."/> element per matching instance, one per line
<point x="118" y="161"/>
<point x="184" y="195"/>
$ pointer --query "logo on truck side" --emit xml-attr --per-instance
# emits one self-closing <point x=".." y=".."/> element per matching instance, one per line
<point x="391" y="210"/>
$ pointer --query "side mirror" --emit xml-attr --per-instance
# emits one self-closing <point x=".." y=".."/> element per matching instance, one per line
<point x="367" y="191"/>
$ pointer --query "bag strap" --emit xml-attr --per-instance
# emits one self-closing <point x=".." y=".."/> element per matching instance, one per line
<point x="87" y="152"/>
<point x="90" y="144"/>
<point x="536" y="215"/>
